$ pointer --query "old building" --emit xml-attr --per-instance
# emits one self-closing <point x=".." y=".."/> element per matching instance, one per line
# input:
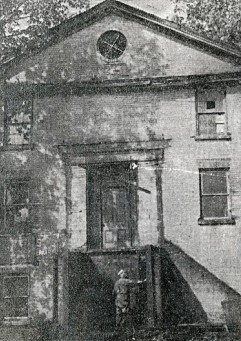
<point x="120" y="147"/>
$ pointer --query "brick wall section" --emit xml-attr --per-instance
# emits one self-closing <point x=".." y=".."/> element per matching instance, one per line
<point x="130" y="117"/>
<point x="43" y="165"/>
<point x="214" y="247"/>
<point x="138" y="117"/>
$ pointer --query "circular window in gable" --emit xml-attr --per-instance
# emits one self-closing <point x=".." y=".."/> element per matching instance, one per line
<point x="112" y="44"/>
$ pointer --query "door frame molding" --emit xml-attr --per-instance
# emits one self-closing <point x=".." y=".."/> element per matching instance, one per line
<point x="82" y="154"/>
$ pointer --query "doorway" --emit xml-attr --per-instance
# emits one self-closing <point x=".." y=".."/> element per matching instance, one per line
<point x="111" y="206"/>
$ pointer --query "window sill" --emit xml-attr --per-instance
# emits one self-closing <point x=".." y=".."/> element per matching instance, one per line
<point x="216" y="221"/>
<point x="17" y="147"/>
<point x="18" y="234"/>
<point x="114" y="251"/>
<point x="213" y="137"/>
<point x="16" y="321"/>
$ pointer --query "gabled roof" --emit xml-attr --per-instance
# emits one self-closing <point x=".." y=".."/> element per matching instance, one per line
<point x="107" y="7"/>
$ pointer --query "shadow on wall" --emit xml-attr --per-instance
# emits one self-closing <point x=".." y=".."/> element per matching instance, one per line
<point x="91" y="302"/>
<point x="221" y="302"/>
<point x="92" y="307"/>
<point x="180" y="305"/>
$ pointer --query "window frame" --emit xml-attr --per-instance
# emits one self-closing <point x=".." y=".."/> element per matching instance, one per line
<point x="226" y="135"/>
<point x="18" y="275"/>
<point x="29" y="226"/>
<point x="215" y="220"/>
<point x="12" y="94"/>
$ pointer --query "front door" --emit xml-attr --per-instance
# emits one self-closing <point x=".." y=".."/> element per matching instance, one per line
<point x="111" y="215"/>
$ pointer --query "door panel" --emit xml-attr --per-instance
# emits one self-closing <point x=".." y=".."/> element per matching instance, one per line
<point x="115" y="217"/>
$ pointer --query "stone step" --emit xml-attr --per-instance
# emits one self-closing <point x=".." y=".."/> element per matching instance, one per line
<point x="169" y="336"/>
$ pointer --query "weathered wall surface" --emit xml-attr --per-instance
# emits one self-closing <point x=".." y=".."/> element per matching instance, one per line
<point x="138" y="117"/>
<point x="126" y="117"/>
<point x="215" y="247"/>
<point x="208" y="289"/>
<point x="34" y="253"/>
<point x="148" y="54"/>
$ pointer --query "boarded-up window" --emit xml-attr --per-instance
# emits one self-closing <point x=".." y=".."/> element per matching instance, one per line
<point x="15" y="296"/>
<point x="214" y="193"/>
<point x="18" y="119"/>
<point x="211" y="113"/>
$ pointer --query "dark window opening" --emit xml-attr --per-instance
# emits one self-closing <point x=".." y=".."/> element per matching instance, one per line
<point x="18" y="120"/>
<point x="15" y="296"/>
<point x="20" y="206"/>
<point x="210" y="104"/>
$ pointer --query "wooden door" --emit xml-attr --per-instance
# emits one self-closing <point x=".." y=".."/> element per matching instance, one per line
<point x="111" y="207"/>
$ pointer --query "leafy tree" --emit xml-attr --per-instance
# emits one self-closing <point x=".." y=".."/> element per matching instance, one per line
<point x="219" y="20"/>
<point x="22" y="21"/>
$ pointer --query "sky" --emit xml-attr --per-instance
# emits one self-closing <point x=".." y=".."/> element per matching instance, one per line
<point x="161" y="8"/>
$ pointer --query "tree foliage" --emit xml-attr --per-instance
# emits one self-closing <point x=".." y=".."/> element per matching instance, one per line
<point x="219" y="20"/>
<point x="26" y="21"/>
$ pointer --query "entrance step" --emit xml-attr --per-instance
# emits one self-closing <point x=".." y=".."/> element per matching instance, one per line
<point x="175" y="335"/>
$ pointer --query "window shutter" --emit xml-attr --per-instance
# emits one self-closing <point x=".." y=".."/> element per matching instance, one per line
<point x="35" y="203"/>
<point x="2" y="227"/>
<point x="1" y="298"/>
<point x="1" y="120"/>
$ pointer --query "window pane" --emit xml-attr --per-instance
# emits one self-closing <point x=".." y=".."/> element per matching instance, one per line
<point x="220" y="119"/>
<point x="16" y="215"/>
<point x="211" y="124"/>
<point x="35" y="192"/>
<point x="210" y="104"/>
<point x="17" y="193"/>
<point x="19" y="134"/>
<point x="15" y="286"/>
<point x="220" y="128"/>
<point x="207" y="124"/>
<point x="211" y="100"/>
<point x="121" y="235"/>
<point x="34" y="215"/>
<point x="19" y="116"/>
<point x="16" y="307"/>
<point x="214" y="182"/>
<point x="215" y="206"/>
<point x="115" y="207"/>
<point x="19" y="110"/>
